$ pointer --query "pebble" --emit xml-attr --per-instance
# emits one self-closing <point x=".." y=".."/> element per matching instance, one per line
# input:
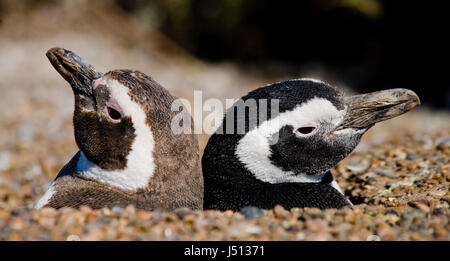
<point x="384" y="172"/>
<point x="182" y="212"/>
<point x="255" y="230"/>
<point x="442" y="142"/>
<point x="371" y="181"/>
<point x="358" y="168"/>
<point x="425" y="141"/>
<point x="279" y="211"/>
<point x="391" y="212"/>
<point x="439" y="211"/>
<point x="5" y="157"/>
<point x="413" y="213"/>
<point x="251" y="212"/>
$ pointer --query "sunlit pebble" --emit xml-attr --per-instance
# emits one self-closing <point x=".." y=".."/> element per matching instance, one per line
<point x="253" y="230"/>
<point x="168" y="232"/>
<point x="426" y="141"/>
<point x="5" y="157"/>
<point x="442" y="142"/>
<point x="118" y="210"/>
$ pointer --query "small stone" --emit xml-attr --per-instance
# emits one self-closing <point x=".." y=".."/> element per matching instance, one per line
<point x="413" y="213"/>
<point x="441" y="233"/>
<point x="412" y="156"/>
<point x="446" y="199"/>
<point x="279" y="211"/>
<point x="157" y="215"/>
<point x="437" y="193"/>
<point x="421" y="204"/>
<point x="117" y="210"/>
<point x="391" y="212"/>
<point x="437" y="211"/>
<point x="391" y="218"/>
<point x="385" y="172"/>
<point x="314" y="225"/>
<point x="371" y="181"/>
<point x="442" y="142"/>
<point x="255" y="230"/>
<point x="411" y="167"/>
<point x="4" y="214"/>
<point x="5" y="160"/>
<point x="358" y="168"/>
<point x="170" y="217"/>
<point x="425" y="141"/>
<point x="399" y="154"/>
<point x="182" y="212"/>
<point x="130" y="210"/>
<point x="251" y="212"/>
<point x="85" y="209"/>
<point x="300" y="236"/>
<point x="144" y="215"/>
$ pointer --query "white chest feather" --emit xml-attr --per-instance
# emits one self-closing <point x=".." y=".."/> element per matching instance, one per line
<point x="46" y="197"/>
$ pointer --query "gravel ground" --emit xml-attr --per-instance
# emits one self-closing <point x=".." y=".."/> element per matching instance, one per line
<point x="400" y="189"/>
<point x="398" y="177"/>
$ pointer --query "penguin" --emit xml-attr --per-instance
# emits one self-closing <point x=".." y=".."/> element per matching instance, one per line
<point x="128" y="154"/>
<point x="277" y="144"/>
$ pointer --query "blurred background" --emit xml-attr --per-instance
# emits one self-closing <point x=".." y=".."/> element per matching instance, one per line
<point x="224" y="48"/>
<point x="366" y="44"/>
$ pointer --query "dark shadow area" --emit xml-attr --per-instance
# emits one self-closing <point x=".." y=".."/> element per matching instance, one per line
<point x="367" y="44"/>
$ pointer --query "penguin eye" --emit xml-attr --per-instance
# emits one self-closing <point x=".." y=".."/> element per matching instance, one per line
<point x="113" y="113"/>
<point x="306" y="130"/>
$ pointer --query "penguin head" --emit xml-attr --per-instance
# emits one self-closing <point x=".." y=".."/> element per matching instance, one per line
<point x="109" y="114"/>
<point x="122" y="122"/>
<point x="115" y="119"/>
<point x="314" y="128"/>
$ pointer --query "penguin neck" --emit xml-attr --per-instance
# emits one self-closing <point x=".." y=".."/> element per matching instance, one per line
<point x="134" y="176"/>
<point x="235" y="193"/>
<point x="230" y="185"/>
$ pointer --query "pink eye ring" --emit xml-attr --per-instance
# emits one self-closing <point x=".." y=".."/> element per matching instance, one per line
<point x="113" y="113"/>
<point x="306" y="129"/>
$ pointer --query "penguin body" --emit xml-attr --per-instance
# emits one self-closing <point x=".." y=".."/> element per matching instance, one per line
<point x="128" y="153"/>
<point x="285" y="158"/>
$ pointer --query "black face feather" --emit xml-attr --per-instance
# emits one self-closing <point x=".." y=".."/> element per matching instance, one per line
<point x="294" y="92"/>
<point x="105" y="143"/>
<point x="310" y="155"/>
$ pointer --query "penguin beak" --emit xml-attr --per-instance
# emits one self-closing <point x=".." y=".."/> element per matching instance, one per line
<point x="365" y="110"/>
<point x="74" y="70"/>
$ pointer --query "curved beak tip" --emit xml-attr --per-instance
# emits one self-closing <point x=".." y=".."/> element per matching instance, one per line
<point x="54" y="50"/>
<point x="413" y="97"/>
<point x="73" y="68"/>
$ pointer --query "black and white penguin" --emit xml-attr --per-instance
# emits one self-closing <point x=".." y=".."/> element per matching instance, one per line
<point x="285" y="158"/>
<point x="128" y="153"/>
